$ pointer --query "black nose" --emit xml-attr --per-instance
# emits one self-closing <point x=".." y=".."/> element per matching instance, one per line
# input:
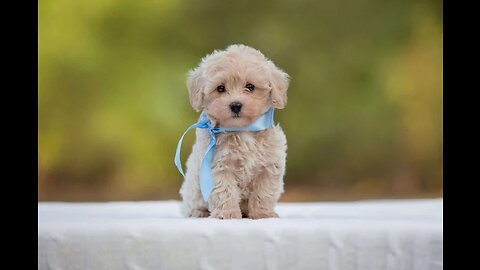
<point x="236" y="107"/>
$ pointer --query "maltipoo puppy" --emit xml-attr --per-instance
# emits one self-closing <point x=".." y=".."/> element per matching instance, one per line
<point x="237" y="163"/>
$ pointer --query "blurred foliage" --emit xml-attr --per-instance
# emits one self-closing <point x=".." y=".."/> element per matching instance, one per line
<point x="365" y="102"/>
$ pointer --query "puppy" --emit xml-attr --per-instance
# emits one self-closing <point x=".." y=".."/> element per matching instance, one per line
<point x="235" y="87"/>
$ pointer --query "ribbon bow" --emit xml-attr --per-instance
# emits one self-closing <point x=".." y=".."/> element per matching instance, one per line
<point x="206" y="181"/>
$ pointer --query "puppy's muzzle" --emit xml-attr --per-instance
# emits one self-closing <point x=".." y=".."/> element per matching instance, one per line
<point x="236" y="107"/>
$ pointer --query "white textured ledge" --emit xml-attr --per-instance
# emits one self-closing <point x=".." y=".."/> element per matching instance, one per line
<point x="364" y="235"/>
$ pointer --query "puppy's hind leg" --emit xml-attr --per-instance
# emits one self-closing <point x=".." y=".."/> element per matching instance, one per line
<point x="193" y="204"/>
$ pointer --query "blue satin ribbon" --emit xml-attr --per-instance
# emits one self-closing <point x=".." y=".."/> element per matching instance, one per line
<point x="206" y="181"/>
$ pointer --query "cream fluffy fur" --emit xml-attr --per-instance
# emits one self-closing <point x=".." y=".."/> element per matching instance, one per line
<point x="247" y="167"/>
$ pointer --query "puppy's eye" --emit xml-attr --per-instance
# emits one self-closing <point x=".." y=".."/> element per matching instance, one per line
<point x="250" y="87"/>
<point x="221" y="88"/>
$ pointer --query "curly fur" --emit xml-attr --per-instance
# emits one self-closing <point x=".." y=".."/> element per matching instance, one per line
<point x="248" y="167"/>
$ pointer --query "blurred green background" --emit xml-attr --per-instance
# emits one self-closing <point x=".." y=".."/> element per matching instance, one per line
<point x="364" y="118"/>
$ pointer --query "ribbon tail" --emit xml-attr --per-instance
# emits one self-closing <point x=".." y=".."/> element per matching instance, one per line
<point x="206" y="179"/>
<point x="177" y="160"/>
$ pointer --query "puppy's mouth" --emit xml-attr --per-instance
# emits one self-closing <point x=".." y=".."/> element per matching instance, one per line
<point x="236" y="115"/>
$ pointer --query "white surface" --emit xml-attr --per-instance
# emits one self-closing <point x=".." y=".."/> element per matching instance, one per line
<point x="365" y="235"/>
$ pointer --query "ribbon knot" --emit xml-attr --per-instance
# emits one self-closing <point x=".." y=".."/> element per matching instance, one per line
<point x="206" y="181"/>
<point x="215" y="130"/>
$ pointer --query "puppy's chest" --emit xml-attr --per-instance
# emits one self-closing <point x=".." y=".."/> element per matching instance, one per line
<point x="243" y="153"/>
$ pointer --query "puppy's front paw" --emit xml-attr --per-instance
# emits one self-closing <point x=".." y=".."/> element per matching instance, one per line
<point x="262" y="214"/>
<point x="198" y="213"/>
<point x="227" y="214"/>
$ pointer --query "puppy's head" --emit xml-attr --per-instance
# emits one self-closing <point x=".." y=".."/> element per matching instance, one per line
<point x="235" y="86"/>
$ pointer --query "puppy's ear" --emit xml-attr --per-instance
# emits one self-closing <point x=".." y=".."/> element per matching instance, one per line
<point x="196" y="84"/>
<point x="279" y="81"/>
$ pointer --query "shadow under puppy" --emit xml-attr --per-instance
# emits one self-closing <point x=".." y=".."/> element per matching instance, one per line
<point x="234" y="88"/>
